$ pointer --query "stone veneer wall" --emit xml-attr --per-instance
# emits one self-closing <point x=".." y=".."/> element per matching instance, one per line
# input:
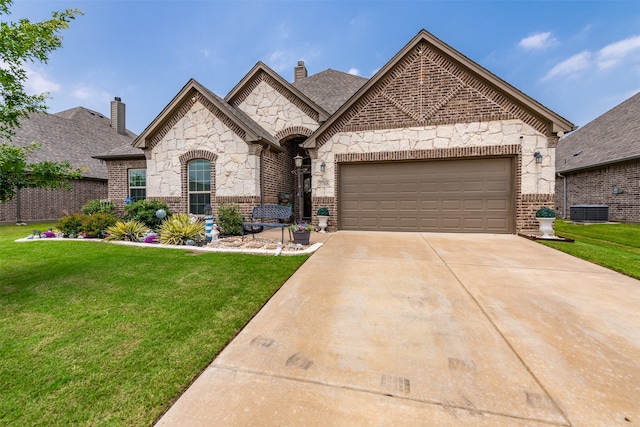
<point x="595" y="186"/>
<point x="234" y="171"/>
<point x="534" y="186"/>
<point x="50" y="205"/>
<point x="273" y="111"/>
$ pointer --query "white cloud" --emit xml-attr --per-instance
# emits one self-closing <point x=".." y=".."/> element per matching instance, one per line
<point x="614" y="53"/>
<point x="38" y="82"/>
<point x="575" y="64"/>
<point x="280" y="61"/>
<point x="91" y="97"/>
<point x="538" y="41"/>
<point x="354" y="71"/>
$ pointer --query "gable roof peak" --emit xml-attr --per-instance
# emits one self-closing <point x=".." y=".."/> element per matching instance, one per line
<point x="191" y="93"/>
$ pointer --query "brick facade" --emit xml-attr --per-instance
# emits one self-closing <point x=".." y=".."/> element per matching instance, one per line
<point x="50" y="205"/>
<point x="595" y="186"/>
<point x="118" y="171"/>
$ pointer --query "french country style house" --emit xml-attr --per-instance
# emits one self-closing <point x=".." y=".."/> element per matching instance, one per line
<point x="431" y="142"/>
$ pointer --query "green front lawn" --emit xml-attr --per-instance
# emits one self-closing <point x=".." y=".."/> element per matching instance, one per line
<point x="101" y="334"/>
<point x="615" y="246"/>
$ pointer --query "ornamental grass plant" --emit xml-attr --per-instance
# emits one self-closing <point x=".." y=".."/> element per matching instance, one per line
<point x="179" y="229"/>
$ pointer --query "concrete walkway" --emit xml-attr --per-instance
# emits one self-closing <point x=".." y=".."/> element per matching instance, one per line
<point x="431" y="329"/>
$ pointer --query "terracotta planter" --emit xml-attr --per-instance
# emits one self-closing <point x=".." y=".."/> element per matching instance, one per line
<point x="301" y="237"/>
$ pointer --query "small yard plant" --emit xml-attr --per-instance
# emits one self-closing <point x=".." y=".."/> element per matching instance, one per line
<point x="71" y="224"/>
<point x="545" y="213"/>
<point x="132" y="231"/>
<point x="144" y="211"/>
<point x="180" y="230"/>
<point x="230" y="219"/>
<point x="96" y="224"/>
<point x="97" y="205"/>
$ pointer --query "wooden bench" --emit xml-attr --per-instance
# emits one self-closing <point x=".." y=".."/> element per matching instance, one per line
<point x="264" y="212"/>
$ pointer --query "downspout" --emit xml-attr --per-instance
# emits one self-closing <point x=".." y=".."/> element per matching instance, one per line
<point x="262" y="176"/>
<point x="564" y="195"/>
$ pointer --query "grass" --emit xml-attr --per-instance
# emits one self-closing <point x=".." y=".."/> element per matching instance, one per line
<point x="109" y="335"/>
<point x="615" y="246"/>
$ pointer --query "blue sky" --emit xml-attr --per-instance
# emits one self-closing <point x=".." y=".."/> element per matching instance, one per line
<point x="578" y="58"/>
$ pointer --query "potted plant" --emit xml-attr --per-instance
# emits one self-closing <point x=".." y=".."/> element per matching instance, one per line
<point x="323" y="217"/>
<point x="545" y="217"/>
<point x="301" y="232"/>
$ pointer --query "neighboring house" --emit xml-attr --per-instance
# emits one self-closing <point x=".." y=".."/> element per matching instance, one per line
<point x="600" y="164"/>
<point x="74" y="135"/>
<point x="432" y="142"/>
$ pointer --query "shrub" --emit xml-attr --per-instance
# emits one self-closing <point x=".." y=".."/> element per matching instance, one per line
<point x="132" y="231"/>
<point x="323" y="212"/>
<point x="95" y="225"/>
<point x="229" y="219"/>
<point x="178" y="229"/>
<point x="545" y="213"/>
<point x="69" y="223"/>
<point x="97" y="205"/>
<point x="144" y="211"/>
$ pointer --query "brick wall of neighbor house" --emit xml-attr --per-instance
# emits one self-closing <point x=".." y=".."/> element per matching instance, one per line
<point x="596" y="186"/>
<point x="51" y="205"/>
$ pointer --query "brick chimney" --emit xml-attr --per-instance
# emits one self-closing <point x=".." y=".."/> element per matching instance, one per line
<point x="117" y="116"/>
<point x="299" y="72"/>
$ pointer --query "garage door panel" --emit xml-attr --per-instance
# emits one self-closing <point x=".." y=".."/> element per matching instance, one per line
<point x="473" y="195"/>
<point x="499" y="205"/>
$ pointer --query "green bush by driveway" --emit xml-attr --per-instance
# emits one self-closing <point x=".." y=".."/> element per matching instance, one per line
<point x="100" y="334"/>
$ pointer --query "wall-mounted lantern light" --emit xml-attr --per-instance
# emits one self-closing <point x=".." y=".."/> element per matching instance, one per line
<point x="323" y="166"/>
<point x="538" y="157"/>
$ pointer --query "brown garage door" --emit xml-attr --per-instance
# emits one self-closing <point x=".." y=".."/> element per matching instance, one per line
<point x="472" y="195"/>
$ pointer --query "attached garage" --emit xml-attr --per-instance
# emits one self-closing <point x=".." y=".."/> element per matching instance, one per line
<point x="463" y="195"/>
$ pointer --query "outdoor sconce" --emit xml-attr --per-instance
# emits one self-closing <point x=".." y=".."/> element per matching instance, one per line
<point x="323" y="166"/>
<point x="538" y="157"/>
<point x="616" y="190"/>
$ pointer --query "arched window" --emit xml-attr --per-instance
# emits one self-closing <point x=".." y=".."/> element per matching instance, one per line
<point x="199" y="186"/>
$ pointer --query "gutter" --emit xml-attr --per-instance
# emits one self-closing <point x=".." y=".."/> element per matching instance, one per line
<point x="564" y="195"/>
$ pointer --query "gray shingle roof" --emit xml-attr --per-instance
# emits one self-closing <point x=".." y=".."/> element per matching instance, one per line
<point x="74" y="135"/>
<point x="330" y="88"/>
<point x="610" y="138"/>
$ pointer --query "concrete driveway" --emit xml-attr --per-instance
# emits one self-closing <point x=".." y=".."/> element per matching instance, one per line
<point x="431" y="329"/>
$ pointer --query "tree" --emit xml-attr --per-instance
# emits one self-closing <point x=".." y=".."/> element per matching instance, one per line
<point x="22" y="42"/>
